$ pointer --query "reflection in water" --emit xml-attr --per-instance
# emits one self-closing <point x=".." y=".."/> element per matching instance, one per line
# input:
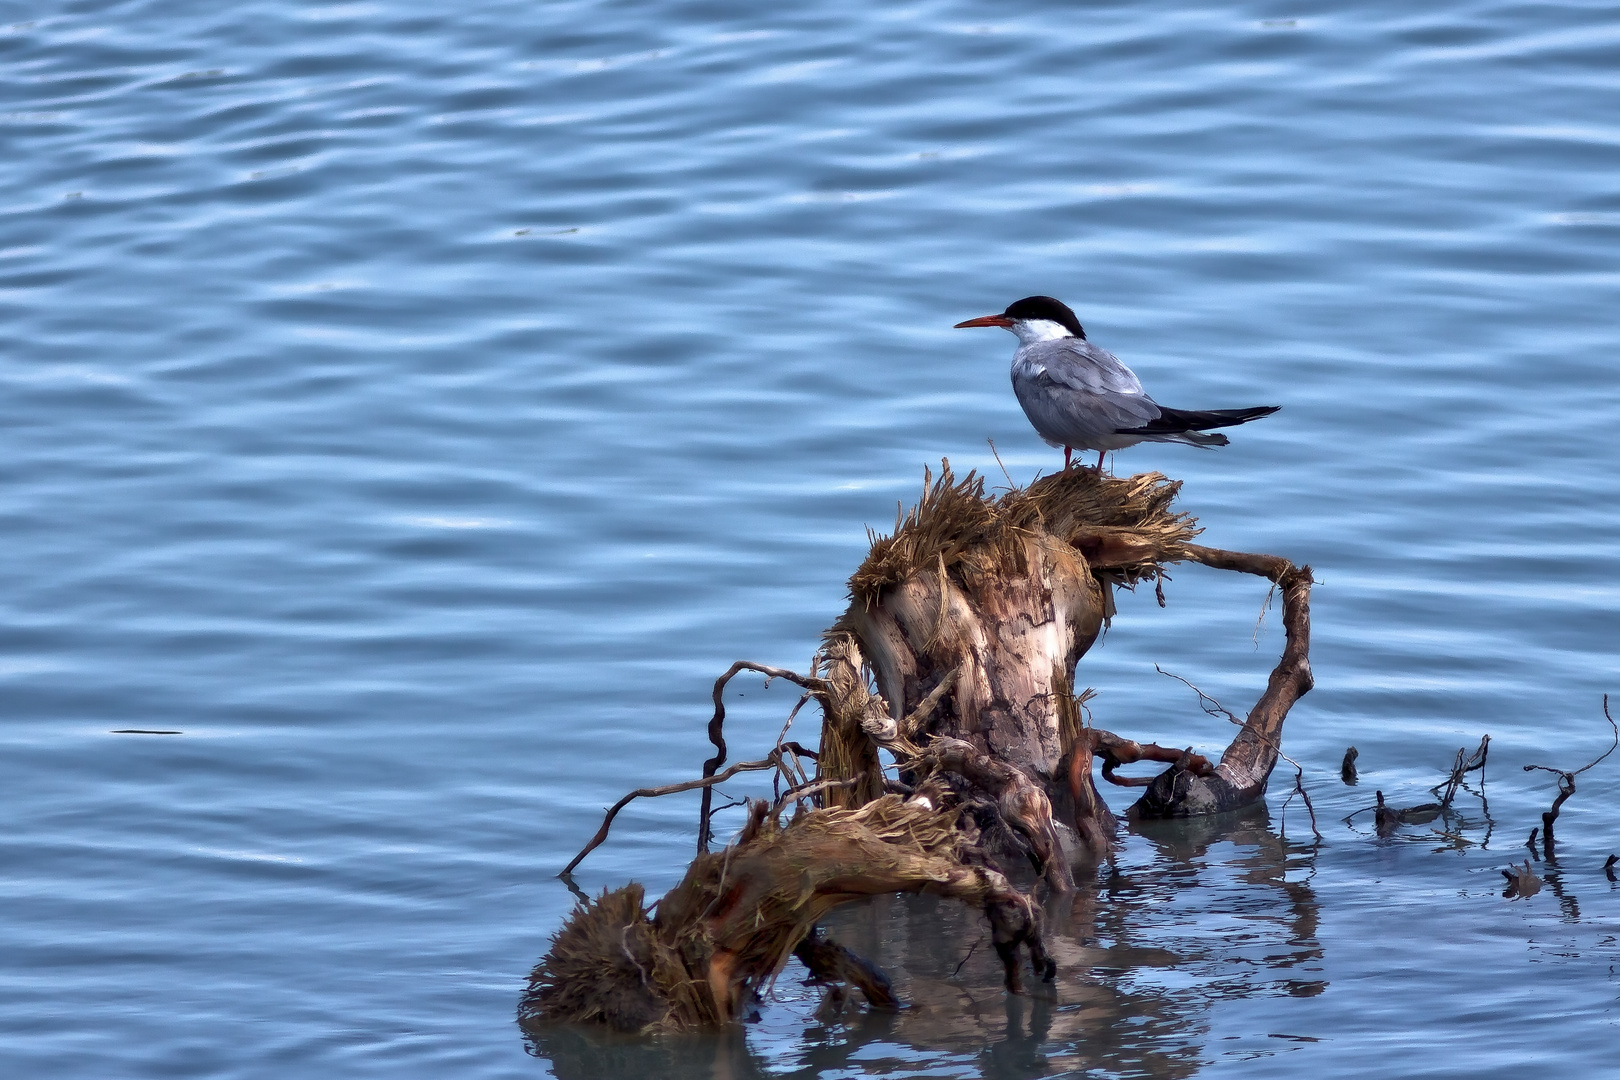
<point x="582" y="1053"/>
<point x="1204" y="911"/>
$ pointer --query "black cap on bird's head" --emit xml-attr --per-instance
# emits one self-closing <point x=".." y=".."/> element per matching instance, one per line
<point x="1030" y="309"/>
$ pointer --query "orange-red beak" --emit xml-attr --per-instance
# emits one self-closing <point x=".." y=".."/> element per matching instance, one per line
<point x="985" y="320"/>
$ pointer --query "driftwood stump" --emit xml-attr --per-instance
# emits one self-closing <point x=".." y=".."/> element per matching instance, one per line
<point x="972" y="617"/>
<point x="956" y="656"/>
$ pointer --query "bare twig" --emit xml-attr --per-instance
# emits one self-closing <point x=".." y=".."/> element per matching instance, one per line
<point x="1594" y="761"/>
<point x="1465" y="764"/>
<point x="1205" y="701"/>
<point x="707" y="783"/>
<point x="799" y="750"/>
<point x="803" y="699"/>
<point x="732" y="805"/>
<point x="1566" y="784"/>
<point x="1387" y="818"/>
<point x="1299" y="787"/>
<point x="1010" y="485"/>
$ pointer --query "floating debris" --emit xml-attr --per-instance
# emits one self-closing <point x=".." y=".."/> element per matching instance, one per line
<point x="1521" y="881"/>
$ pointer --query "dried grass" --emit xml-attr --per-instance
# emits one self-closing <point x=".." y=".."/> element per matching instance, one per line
<point x="1122" y="527"/>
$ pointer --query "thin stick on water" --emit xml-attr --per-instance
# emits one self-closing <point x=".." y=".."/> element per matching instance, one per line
<point x="1594" y="761"/>
<point x="1465" y="764"/>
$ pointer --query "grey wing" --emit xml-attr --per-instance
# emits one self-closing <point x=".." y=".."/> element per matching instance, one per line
<point x="1076" y="393"/>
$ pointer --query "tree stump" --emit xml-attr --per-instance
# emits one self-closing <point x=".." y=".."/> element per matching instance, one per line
<point x="972" y="617"/>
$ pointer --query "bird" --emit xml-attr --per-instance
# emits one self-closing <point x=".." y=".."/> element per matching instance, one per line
<point x="1081" y="397"/>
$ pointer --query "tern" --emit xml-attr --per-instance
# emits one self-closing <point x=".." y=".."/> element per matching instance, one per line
<point x="1081" y="397"/>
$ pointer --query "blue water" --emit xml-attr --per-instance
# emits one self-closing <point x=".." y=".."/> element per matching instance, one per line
<point x="417" y="406"/>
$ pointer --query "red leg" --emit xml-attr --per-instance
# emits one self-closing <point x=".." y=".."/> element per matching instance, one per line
<point x="1100" y="455"/>
<point x="1067" y="452"/>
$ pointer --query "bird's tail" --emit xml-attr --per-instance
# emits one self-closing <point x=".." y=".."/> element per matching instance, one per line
<point x="1192" y="424"/>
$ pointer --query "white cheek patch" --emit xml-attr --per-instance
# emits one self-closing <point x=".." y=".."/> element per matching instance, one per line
<point x="1030" y="331"/>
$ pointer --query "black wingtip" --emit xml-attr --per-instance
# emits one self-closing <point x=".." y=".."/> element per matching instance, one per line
<point x="1180" y="421"/>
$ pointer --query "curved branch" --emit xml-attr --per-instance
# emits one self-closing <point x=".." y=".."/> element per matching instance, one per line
<point x="717" y="727"/>
<point x="1594" y="761"/>
<point x="1116" y="751"/>
<point x="1244" y="768"/>
<point x="1272" y="567"/>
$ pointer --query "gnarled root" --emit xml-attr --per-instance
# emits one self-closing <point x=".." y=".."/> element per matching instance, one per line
<point x="1021" y="806"/>
<point x="1093" y="822"/>
<point x="740" y="913"/>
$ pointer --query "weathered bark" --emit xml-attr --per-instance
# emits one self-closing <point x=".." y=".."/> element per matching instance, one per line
<point x="1010" y="639"/>
<point x="973" y="615"/>
<point x="1017" y="814"/>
